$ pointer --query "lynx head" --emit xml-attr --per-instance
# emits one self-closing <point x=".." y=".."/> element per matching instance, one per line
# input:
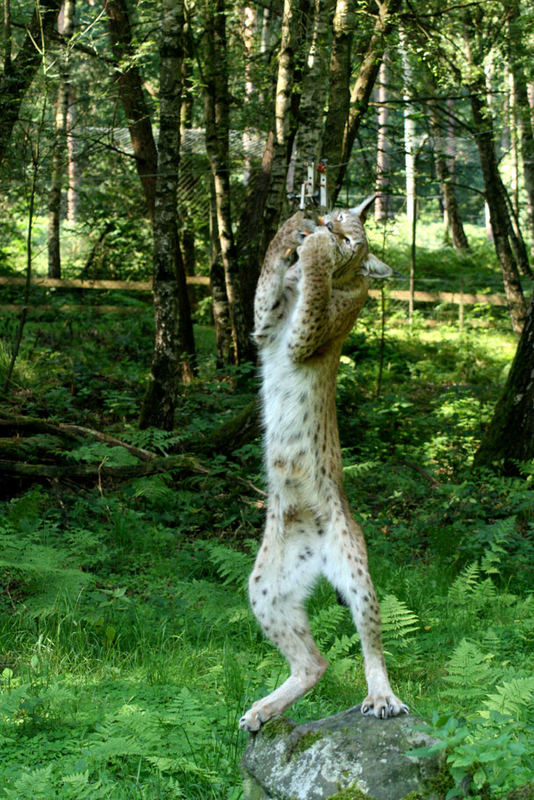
<point x="353" y="256"/>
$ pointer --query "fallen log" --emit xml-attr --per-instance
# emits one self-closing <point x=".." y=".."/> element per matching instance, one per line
<point x="102" y="471"/>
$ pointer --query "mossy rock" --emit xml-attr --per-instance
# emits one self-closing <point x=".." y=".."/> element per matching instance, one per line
<point x="344" y="757"/>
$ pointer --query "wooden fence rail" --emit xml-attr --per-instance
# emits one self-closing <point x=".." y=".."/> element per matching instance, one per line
<point x="456" y="298"/>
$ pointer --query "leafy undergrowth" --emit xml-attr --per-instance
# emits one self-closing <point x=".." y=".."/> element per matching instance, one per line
<point x="128" y="651"/>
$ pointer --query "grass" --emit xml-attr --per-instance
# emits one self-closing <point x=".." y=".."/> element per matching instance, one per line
<point x="128" y="651"/>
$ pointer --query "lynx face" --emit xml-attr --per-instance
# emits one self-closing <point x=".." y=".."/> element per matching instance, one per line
<point x="352" y="250"/>
<point x="351" y="242"/>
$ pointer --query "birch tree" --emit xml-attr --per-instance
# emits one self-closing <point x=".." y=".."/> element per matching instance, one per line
<point x="60" y="148"/>
<point x="383" y="178"/>
<point x="217" y="146"/>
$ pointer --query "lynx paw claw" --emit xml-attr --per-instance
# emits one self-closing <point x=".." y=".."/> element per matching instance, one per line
<point x="252" y="720"/>
<point x="384" y="706"/>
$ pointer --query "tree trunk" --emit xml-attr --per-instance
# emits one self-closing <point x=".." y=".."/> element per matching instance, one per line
<point x="265" y="195"/>
<point x="369" y="59"/>
<point x="19" y="71"/>
<point x="339" y="85"/>
<point x="133" y="98"/>
<point x="249" y="26"/>
<point x="217" y="146"/>
<point x="383" y="177"/>
<point x="410" y="133"/>
<point x="450" y="204"/>
<point x="174" y="343"/>
<point x="287" y="99"/>
<point x="72" y="168"/>
<point x="221" y="313"/>
<point x="501" y="226"/>
<point x="521" y="103"/>
<point x="188" y="179"/>
<point x="60" y="152"/>
<point x="497" y="210"/>
<point x="307" y="145"/>
<point x="509" y="438"/>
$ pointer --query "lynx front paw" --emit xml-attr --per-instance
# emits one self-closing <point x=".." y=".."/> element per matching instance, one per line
<point x="383" y="706"/>
<point x="253" y="719"/>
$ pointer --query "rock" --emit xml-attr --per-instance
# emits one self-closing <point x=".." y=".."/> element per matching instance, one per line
<point x="344" y="757"/>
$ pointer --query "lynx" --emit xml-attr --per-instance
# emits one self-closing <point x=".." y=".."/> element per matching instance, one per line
<point x="304" y="309"/>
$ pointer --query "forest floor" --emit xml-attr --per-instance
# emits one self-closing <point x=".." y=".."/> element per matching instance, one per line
<point x="128" y="651"/>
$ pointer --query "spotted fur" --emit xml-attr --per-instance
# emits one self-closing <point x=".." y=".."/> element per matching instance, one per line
<point x="313" y="284"/>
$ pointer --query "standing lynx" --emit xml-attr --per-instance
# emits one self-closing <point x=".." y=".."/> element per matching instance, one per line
<point x="304" y="309"/>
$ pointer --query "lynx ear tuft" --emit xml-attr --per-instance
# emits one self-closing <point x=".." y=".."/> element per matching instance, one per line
<point x="363" y="208"/>
<point x="374" y="268"/>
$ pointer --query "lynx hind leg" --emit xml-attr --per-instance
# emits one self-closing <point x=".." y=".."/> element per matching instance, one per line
<point x="346" y="568"/>
<point x="282" y="578"/>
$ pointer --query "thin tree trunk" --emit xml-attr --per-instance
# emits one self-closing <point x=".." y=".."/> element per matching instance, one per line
<point x="501" y="226"/>
<point x="514" y="144"/>
<point x="410" y="132"/>
<point x="307" y="145"/>
<point x="339" y="97"/>
<point x="16" y="80"/>
<point x="287" y="100"/>
<point x="249" y="27"/>
<point x="221" y="312"/>
<point x="6" y="38"/>
<point x="498" y="211"/>
<point x="133" y="98"/>
<point x="450" y="203"/>
<point x="27" y="285"/>
<point x="383" y="177"/>
<point x="509" y="438"/>
<point x="72" y="169"/>
<point x="369" y="59"/>
<point x="520" y="102"/>
<point x="217" y="146"/>
<point x="265" y="195"/>
<point x="59" y="154"/>
<point x="174" y="343"/>
<point x="188" y="179"/>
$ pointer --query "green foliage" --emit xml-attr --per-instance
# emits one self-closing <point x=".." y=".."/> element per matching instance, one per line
<point x="128" y="651"/>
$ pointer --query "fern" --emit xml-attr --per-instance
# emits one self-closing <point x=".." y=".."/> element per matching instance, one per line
<point x="155" y="490"/>
<point x="100" y="452"/>
<point x="153" y="439"/>
<point x="326" y="623"/>
<point x="514" y="697"/>
<point x="470" y="672"/>
<point x="464" y="584"/>
<point x="342" y="646"/>
<point x="40" y="572"/>
<point x="232" y="566"/>
<point x="398" y="621"/>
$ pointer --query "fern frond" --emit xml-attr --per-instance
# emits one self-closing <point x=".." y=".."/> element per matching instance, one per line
<point x="325" y="624"/>
<point x="398" y="621"/>
<point x="513" y="697"/>
<point x="232" y="566"/>
<point x="470" y="672"/>
<point x="464" y="584"/>
<point x="342" y="646"/>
